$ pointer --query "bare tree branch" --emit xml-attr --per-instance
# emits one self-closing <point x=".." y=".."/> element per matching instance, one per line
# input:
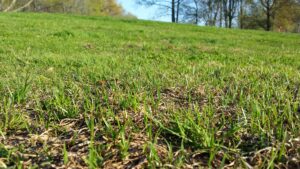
<point x="12" y="4"/>
<point x="24" y="6"/>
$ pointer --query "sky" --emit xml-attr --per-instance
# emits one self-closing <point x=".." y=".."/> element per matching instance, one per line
<point x="146" y="13"/>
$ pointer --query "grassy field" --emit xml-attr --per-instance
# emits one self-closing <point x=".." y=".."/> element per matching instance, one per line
<point x="96" y="92"/>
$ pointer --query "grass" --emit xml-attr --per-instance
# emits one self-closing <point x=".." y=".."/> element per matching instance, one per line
<point x="98" y="92"/>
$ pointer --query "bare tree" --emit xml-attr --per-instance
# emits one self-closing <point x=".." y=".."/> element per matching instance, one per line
<point x="192" y="11"/>
<point x="269" y="9"/>
<point x="229" y="9"/>
<point x="170" y="5"/>
<point x="205" y="10"/>
<point x="13" y="6"/>
<point x="211" y="12"/>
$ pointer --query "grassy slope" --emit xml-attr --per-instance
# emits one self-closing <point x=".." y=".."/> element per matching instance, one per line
<point x="87" y="91"/>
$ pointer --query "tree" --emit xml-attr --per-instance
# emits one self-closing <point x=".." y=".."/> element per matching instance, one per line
<point x="192" y="11"/>
<point x="243" y="8"/>
<point x="269" y="9"/>
<point x="173" y="6"/>
<point x="287" y="16"/>
<point x="111" y="8"/>
<point x="211" y="10"/>
<point x="229" y="9"/>
<point x="254" y="18"/>
<point x="206" y="11"/>
<point x="84" y="7"/>
<point x="13" y="5"/>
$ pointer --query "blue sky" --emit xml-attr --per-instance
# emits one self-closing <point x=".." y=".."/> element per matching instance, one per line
<point x="146" y="13"/>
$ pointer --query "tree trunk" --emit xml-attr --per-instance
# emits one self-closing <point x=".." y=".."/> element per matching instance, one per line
<point x="242" y="14"/>
<point x="173" y="12"/>
<point x="225" y="13"/>
<point x="231" y="11"/>
<point x="229" y="14"/>
<point x="269" y="19"/>
<point x="221" y="15"/>
<point x="197" y="13"/>
<point x="177" y="11"/>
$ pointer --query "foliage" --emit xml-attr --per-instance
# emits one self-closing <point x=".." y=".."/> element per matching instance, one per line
<point x="85" y="7"/>
<point x="287" y="17"/>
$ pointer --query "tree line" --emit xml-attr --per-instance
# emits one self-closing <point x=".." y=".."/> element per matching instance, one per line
<point x="270" y="15"/>
<point x="84" y="7"/>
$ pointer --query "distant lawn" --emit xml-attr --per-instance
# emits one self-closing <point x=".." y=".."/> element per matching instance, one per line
<point x="98" y="92"/>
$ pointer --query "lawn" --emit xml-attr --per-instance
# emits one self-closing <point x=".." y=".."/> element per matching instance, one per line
<point x="101" y="92"/>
